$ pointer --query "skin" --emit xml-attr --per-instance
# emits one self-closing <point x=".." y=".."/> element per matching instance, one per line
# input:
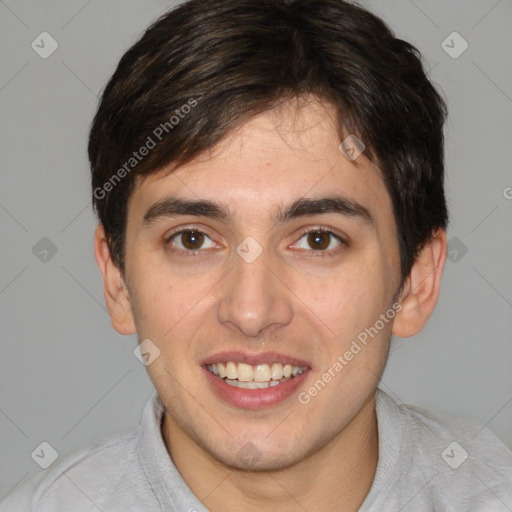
<point x="318" y="456"/>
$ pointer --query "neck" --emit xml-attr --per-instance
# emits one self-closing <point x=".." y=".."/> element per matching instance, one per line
<point x="338" y="476"/>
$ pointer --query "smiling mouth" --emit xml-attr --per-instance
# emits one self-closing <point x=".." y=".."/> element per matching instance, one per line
<point x="259" y="376"/>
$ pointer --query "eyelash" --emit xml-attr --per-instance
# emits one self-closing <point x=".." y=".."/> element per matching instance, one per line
<point x="313" y="252"/>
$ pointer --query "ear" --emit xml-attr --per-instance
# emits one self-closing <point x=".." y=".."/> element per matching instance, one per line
<point x="114" y="287"/>
<point x="421" y="290"/>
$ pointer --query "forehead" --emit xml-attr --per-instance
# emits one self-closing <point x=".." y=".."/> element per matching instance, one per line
<point x="272" y="160"/>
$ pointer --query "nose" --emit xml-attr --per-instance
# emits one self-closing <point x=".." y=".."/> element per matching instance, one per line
<point x="254" y="297"/>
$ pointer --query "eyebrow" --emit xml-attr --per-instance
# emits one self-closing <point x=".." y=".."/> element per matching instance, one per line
<point x="303" y="207"/>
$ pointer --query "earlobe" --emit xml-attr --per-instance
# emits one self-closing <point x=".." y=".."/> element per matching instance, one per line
<point x="114" y="287"/>
<point x="421" y="290"/>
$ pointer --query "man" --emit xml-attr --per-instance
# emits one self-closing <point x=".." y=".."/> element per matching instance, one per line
<point x="268" y="177"/>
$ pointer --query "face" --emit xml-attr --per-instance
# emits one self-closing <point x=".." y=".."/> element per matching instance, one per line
<point x="288" y="255"/>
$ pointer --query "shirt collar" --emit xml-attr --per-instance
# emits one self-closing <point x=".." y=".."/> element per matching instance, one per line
<point x="172" y="491"/>
<point x="392" y="431"/>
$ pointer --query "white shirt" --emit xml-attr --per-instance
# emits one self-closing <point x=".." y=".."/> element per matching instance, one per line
<point x="427" y="462"/>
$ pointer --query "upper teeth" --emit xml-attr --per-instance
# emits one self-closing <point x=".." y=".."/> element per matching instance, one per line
<point x="258" y="373"/>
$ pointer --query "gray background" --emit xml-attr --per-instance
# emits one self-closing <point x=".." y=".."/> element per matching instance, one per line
<point x="68" y="379"/>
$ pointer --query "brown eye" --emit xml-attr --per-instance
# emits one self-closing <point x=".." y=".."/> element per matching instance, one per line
<point x="192" y="239"/>
<point x="319" y="240"/>
<point x="189" y="240"/>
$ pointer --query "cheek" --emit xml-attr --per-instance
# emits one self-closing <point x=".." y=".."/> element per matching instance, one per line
<point x="348" y="301"/>
<point x="162" y="300"/>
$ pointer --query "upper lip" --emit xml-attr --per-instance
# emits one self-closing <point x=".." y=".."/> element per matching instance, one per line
<point x="254" y="358"/>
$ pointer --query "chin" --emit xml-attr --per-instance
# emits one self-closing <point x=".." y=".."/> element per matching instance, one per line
<point x="258" y="461"/>
<point x="257" y="455"/>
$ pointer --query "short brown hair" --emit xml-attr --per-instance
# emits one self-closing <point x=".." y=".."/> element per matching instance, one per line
<point x="239" y="58"/>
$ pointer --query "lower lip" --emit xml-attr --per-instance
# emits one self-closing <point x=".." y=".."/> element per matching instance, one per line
<point x="254" y="398"/>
